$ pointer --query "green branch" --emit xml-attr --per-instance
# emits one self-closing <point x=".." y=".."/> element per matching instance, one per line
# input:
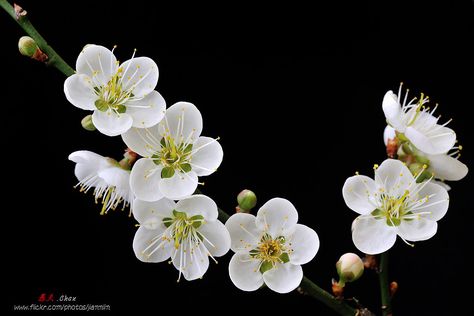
<point x="53" y="58"/>
<point x="384" y="286"/>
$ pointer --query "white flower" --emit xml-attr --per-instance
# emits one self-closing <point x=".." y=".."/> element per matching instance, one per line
<point x="187" y="232"/>
<point x="270" y="248"/>
<point x="394" y="204"/>
<point x="445" y="166"/>
<point x="120" y="96"/>
<point x="417" y="123"/>
<point x="109" y="180"/>
<point x="175" y="155"/>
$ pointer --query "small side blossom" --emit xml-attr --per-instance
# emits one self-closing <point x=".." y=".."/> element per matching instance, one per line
<point x="187" y="232"/>
<point x="174" y="155"/>
<point x="270" y="248"/>
<point x="109" y="181"/>
<point x="416" y="122"/>
<point x="121" y="96"/>
<point x="394" y="204"/>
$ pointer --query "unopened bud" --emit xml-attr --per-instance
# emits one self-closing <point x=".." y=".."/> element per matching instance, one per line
<point x="87" y="124"/>
<point x="247" y="200"/>
<point x="28" y="47"/>
<point x="349" y="267"/>
<point x="393" y="288"/>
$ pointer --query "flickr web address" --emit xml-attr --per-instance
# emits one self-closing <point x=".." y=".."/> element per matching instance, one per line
<point x="62" y="307"/>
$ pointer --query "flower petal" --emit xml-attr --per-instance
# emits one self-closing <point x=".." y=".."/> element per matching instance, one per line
<point x="179" y="186"/>
<point x="144" y="238"/>
<point x="149" y="214"/>
<point x="86" y="156"/>
<point x="391" y="107"/>
<point x="394" y="177"/>
<point x="278" y="217"/>
<point x="184" y="121"/>
<point x="110" y="123"/>
<point x="417" y="229"/>
<point x="358" y="193"/>
<point x="447" y="168"/>
<point x="304" y="244"/>
<point x="193" y="262"/>
<point x="244" y="272"/>
<point x="284" y="278"/>
<point x="98" y="63"/>
<point x="388" y="133"/>
<point x="217" y="238"/>
<point x="148" y="111"/>
<point x="139" y="74"/>
<point x="206" y="160"/>
<point x="432" y="143"/>
<point x="372" y="236"/>
<point x="115" y="176"/>
<point x="79" y="92"/>
<point x="437" y="204"/>
<point x="143" y="141"/>
<point x="144" y="180"/>
<point x="198" y="204"/>
<point x="243" y="232"/>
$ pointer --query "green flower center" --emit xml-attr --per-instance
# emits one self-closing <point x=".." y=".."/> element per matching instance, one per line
<point x="112" y="96"/>
<point x="184" y="227"/>
<point x="270" y="252"/>
<point x="394" y="210"/>
<point x="173" y="157"/>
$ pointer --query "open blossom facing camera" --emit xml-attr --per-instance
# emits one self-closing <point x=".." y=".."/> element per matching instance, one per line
<point x="121" y="96"/>
<point x="270" y="248"/>
<point x="175" y="155"/>
<point x="416" y="122"/>
<point x="109" y="180"/>
<point x="394" y="204"/>
<point x="188" y="232"/>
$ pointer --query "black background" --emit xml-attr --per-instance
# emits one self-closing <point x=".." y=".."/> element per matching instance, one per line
<point x="295" y="95"/>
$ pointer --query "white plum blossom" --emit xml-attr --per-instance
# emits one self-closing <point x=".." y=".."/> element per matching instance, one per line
<point x="174" y="155"/>
<point x="121" y="96"/>
<point x="111" y="182"/>
<point x="417" y="123"/>
<point x="394" y="204"/>
<point x="188" y="232"/>
<point x="270" y="248"/>
<point x="445" y="166"/>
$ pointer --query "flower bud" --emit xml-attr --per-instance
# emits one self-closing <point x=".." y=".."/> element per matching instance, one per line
<point x="87" y="124"/>
<point x="349" y="267"/>
<point x="247" y="200"/>
<point x="27" y="46"/>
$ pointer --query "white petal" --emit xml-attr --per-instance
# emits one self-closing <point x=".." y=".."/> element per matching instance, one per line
<point x="388" y="133"/>
<point x="304" y="244"/>
<point x="193" y="260"/>
<point x="243" y="232"/>
<point x="391" y="107"/>
<point x="437" y="204"/>
<point x="394" y="177"/>
<point x="179" y="185"/>
<point x="244" y="272"/>
<point x="149" y="214"/>
<point x="140" y="75"/>
<point x="436" y="143"/>
<point x="144" y="180"/>
<point x="284" y="278"/>
<point x="143" y="141"/>
<point x="447" y="168"/>
<point x="217" y="238"/>
<point x="85" y="156"/>
<point x="98" y="63"/>
<point x="417" y="229"/>
<point x="278" y="217"/>
<point x="115" y="176"/>
<point x="358" y="192"/>
<point x="148" y="111"/>
<point x="441" y="183"/>
<point x="79" y="92"/>
<point x="142" y="240"/>
<point x="198" y="204"/>
<point x="184" y="121"/>
<point x="110" y="123"/>
<point x="206" y="160"/>
<point x="372" y="236"/>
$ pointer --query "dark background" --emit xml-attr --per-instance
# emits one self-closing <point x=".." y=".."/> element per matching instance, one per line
<point x="295" y="95"/>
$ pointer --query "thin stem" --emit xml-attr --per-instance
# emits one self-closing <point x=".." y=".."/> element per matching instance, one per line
<point x="384" y="286"/>
<point x="53" y="58"/>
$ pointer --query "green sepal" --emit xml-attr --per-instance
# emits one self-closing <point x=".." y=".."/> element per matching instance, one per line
<point x="167" y="221"/>
<point x="266" y="265"/>
<point x="101" y="105"/>
<point x="284" y="257"/>
<point x="121" y="108"/>
<point x="197" y="220"/>
<point x="167" y="172"/>
<point x="186" y="167"/>
<point x="393" y="221"/>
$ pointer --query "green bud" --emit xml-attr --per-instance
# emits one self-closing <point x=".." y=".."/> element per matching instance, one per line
<point x="27" y="46"/>
<point x="349" y="267"/>
<point x="247" y="200"/>
<point x="87" y="124"/>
